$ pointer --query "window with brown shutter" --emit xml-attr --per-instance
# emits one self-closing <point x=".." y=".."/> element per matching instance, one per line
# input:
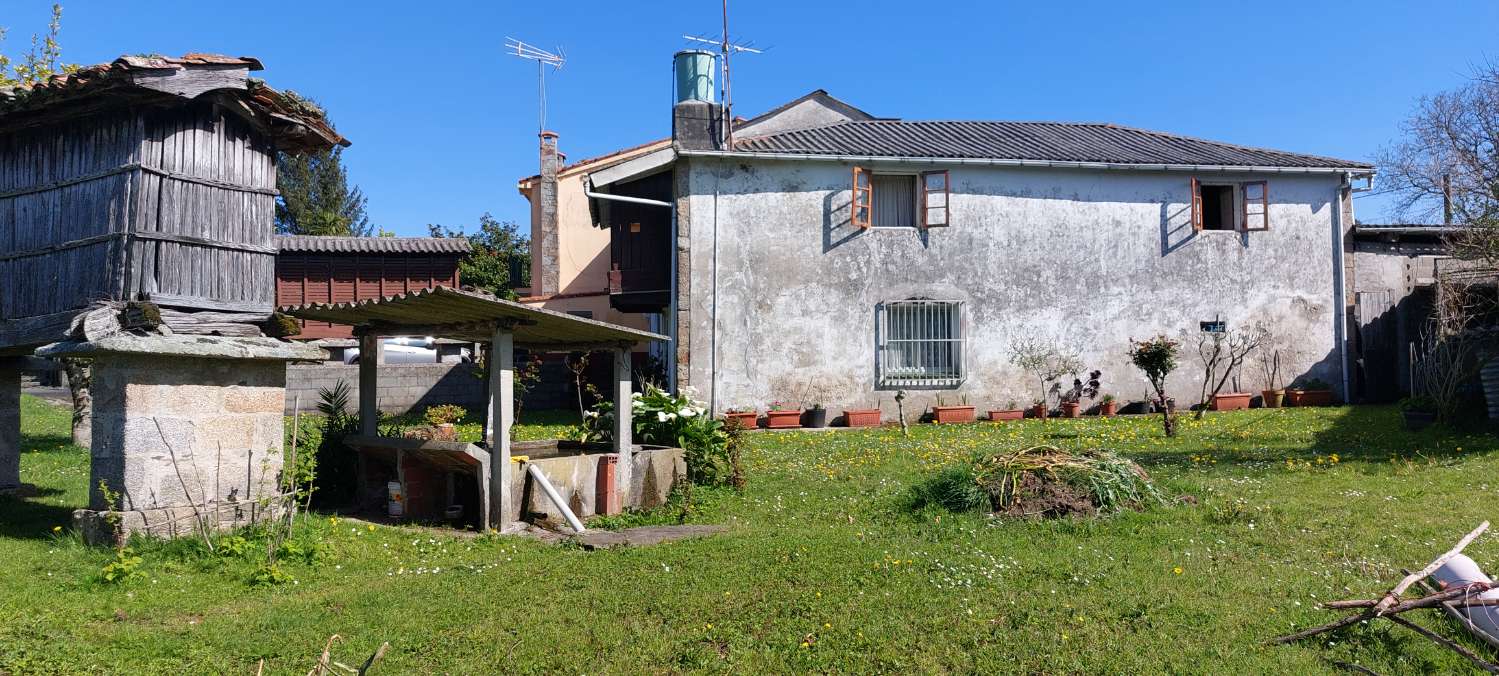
<point x="1230" y="206"/>
<point x="1196" y="204"/>
<point x="863" y="199"/>
<point x="934" y="195"/>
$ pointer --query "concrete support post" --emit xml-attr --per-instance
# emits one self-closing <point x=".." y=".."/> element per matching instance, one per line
<point x="624" y="443"/>
<point x="10" y="423"/>
<point x="371" y="353"/>
<point x="504" y="508"/>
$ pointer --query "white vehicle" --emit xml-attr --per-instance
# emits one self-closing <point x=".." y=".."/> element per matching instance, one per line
<point x="410" y="350"/>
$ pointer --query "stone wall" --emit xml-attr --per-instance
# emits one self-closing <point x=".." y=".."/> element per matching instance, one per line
<point x="174" y="432"/>
<point x="785" y="292"/>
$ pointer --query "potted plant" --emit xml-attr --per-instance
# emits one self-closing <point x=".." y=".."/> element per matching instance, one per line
<point x="1419" y="412"/>
<point x="783" y="416"/>
<point x="943" y="414"/>
<point x="861" y="417"/>
<point x="1269" y="359"/>
<point x="444" y="418"/>
<point x="1039" y="357"/>
<point x="1011" y="411"/>
<point x="747" y="418"/>
<point x="816" y="417"/>
<point x="1038" y="409"/>
<point x="1108" y="406"/>
<point x="1313" y="392"/>
<point x="1072" y="397"/>
<point x="1223" y="351"/>
<point x="1230" y="401"/>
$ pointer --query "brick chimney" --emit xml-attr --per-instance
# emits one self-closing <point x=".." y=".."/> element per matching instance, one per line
<point x="545" y="238"/>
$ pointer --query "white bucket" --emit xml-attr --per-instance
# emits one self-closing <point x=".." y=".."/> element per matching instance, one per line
<point x="395" y="504"/>
<point x="1461" y="570"/>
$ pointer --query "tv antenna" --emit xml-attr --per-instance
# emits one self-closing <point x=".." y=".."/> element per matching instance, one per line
<point x="543" y="59"/>
<point x="725" y="48"/>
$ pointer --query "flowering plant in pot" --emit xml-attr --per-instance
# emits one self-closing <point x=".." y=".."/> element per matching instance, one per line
<point x="1419" y="412"/>
<point x="944" y="414"/>
<point x="444" y="418"/>
<point x="1312" y="392"/>
<point x="1011" y="411"/>
<point x="746" y="418"/>
<point x="783" y="415"/>
<point x="1072" y="397"/>
<point x="1108" y="406"/>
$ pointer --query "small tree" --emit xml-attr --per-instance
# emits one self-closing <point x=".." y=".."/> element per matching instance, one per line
<point x="1223" y="354"/>
<point x="1044" y="362"/>
<point x="1156" y="358"/>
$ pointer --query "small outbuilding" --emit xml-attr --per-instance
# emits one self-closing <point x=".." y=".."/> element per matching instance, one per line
<point x="587" y="478"/>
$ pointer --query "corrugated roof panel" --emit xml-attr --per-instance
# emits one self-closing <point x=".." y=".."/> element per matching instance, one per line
<point x="464" y="315"/>
<point x="372" y="245"/>
<point x="1034" y="141"/>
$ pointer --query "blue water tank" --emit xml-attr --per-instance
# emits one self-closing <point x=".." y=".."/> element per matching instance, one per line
<point x="695" y="69"/>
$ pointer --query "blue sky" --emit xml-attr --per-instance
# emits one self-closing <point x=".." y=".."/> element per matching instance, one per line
<point x="443" y="122"/>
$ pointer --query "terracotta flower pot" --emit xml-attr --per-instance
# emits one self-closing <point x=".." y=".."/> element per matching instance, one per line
<point x="1037" y="410"/>
<point x="1232" y="401"/>
<point x="1007" y="414"/>
<point x="1273" y="398"/>
<point x="783" y="419"/>
<point x="1071" y="409"/>
<point x="746" y="419"/>
<point x="445" y="432"/>
<point x="943" y="415"/>
<point x="1108" y="409"/>
<point x="862" y="417"/>
<point x="1309" y="397"/>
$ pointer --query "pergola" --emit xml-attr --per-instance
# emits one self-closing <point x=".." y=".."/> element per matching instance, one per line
<point x="505" y="326"/>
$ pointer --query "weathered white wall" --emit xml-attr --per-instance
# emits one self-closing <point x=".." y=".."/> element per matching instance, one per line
<point x="1091" y="257"/>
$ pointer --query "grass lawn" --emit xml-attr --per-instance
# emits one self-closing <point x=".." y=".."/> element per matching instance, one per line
<point x="823" y="568"/>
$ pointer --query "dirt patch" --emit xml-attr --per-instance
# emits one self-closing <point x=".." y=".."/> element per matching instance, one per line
<point x="1047" y="496"/>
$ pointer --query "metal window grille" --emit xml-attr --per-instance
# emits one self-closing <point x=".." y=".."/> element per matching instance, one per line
<point x="921" y="343"/>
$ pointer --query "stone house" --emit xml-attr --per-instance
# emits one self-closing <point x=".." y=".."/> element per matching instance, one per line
<point x="819" y="254"/>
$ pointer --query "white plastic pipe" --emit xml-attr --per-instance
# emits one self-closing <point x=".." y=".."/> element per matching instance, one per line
<point x="556" y="498"/>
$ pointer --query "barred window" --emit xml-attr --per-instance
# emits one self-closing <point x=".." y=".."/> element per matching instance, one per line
<point x="921" y="343"/>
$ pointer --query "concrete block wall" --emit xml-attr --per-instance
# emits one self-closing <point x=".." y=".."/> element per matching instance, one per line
<point x="403" y="387"/>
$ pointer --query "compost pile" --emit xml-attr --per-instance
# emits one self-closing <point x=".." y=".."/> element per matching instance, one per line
<point x="1042" y="481"/>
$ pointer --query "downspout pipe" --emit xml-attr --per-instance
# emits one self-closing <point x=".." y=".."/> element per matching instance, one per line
<point x="1339" y="289"/>
<point x="557" y="501"/>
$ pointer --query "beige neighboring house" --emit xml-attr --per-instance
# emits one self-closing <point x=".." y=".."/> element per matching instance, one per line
<point x="576" y="279"/>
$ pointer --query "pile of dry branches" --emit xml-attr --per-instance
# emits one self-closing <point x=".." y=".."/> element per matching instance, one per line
<point x="1393" y="605"/>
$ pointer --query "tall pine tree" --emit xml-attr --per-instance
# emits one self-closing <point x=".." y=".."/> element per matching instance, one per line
<point x="316" y="198"/>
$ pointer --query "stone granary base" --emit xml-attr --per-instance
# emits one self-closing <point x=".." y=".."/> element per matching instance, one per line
<point x="181" y="439"/>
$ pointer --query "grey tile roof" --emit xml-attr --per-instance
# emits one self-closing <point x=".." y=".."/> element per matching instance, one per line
<point x="1026" y="141"/>
<point x="372" y="245"/>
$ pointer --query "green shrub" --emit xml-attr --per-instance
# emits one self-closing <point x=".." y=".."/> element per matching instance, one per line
<point x="124" y="568"/>
<point x="955" y="488"/>
<point x="444" y="414"/>
<point x="664" y="419"/>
